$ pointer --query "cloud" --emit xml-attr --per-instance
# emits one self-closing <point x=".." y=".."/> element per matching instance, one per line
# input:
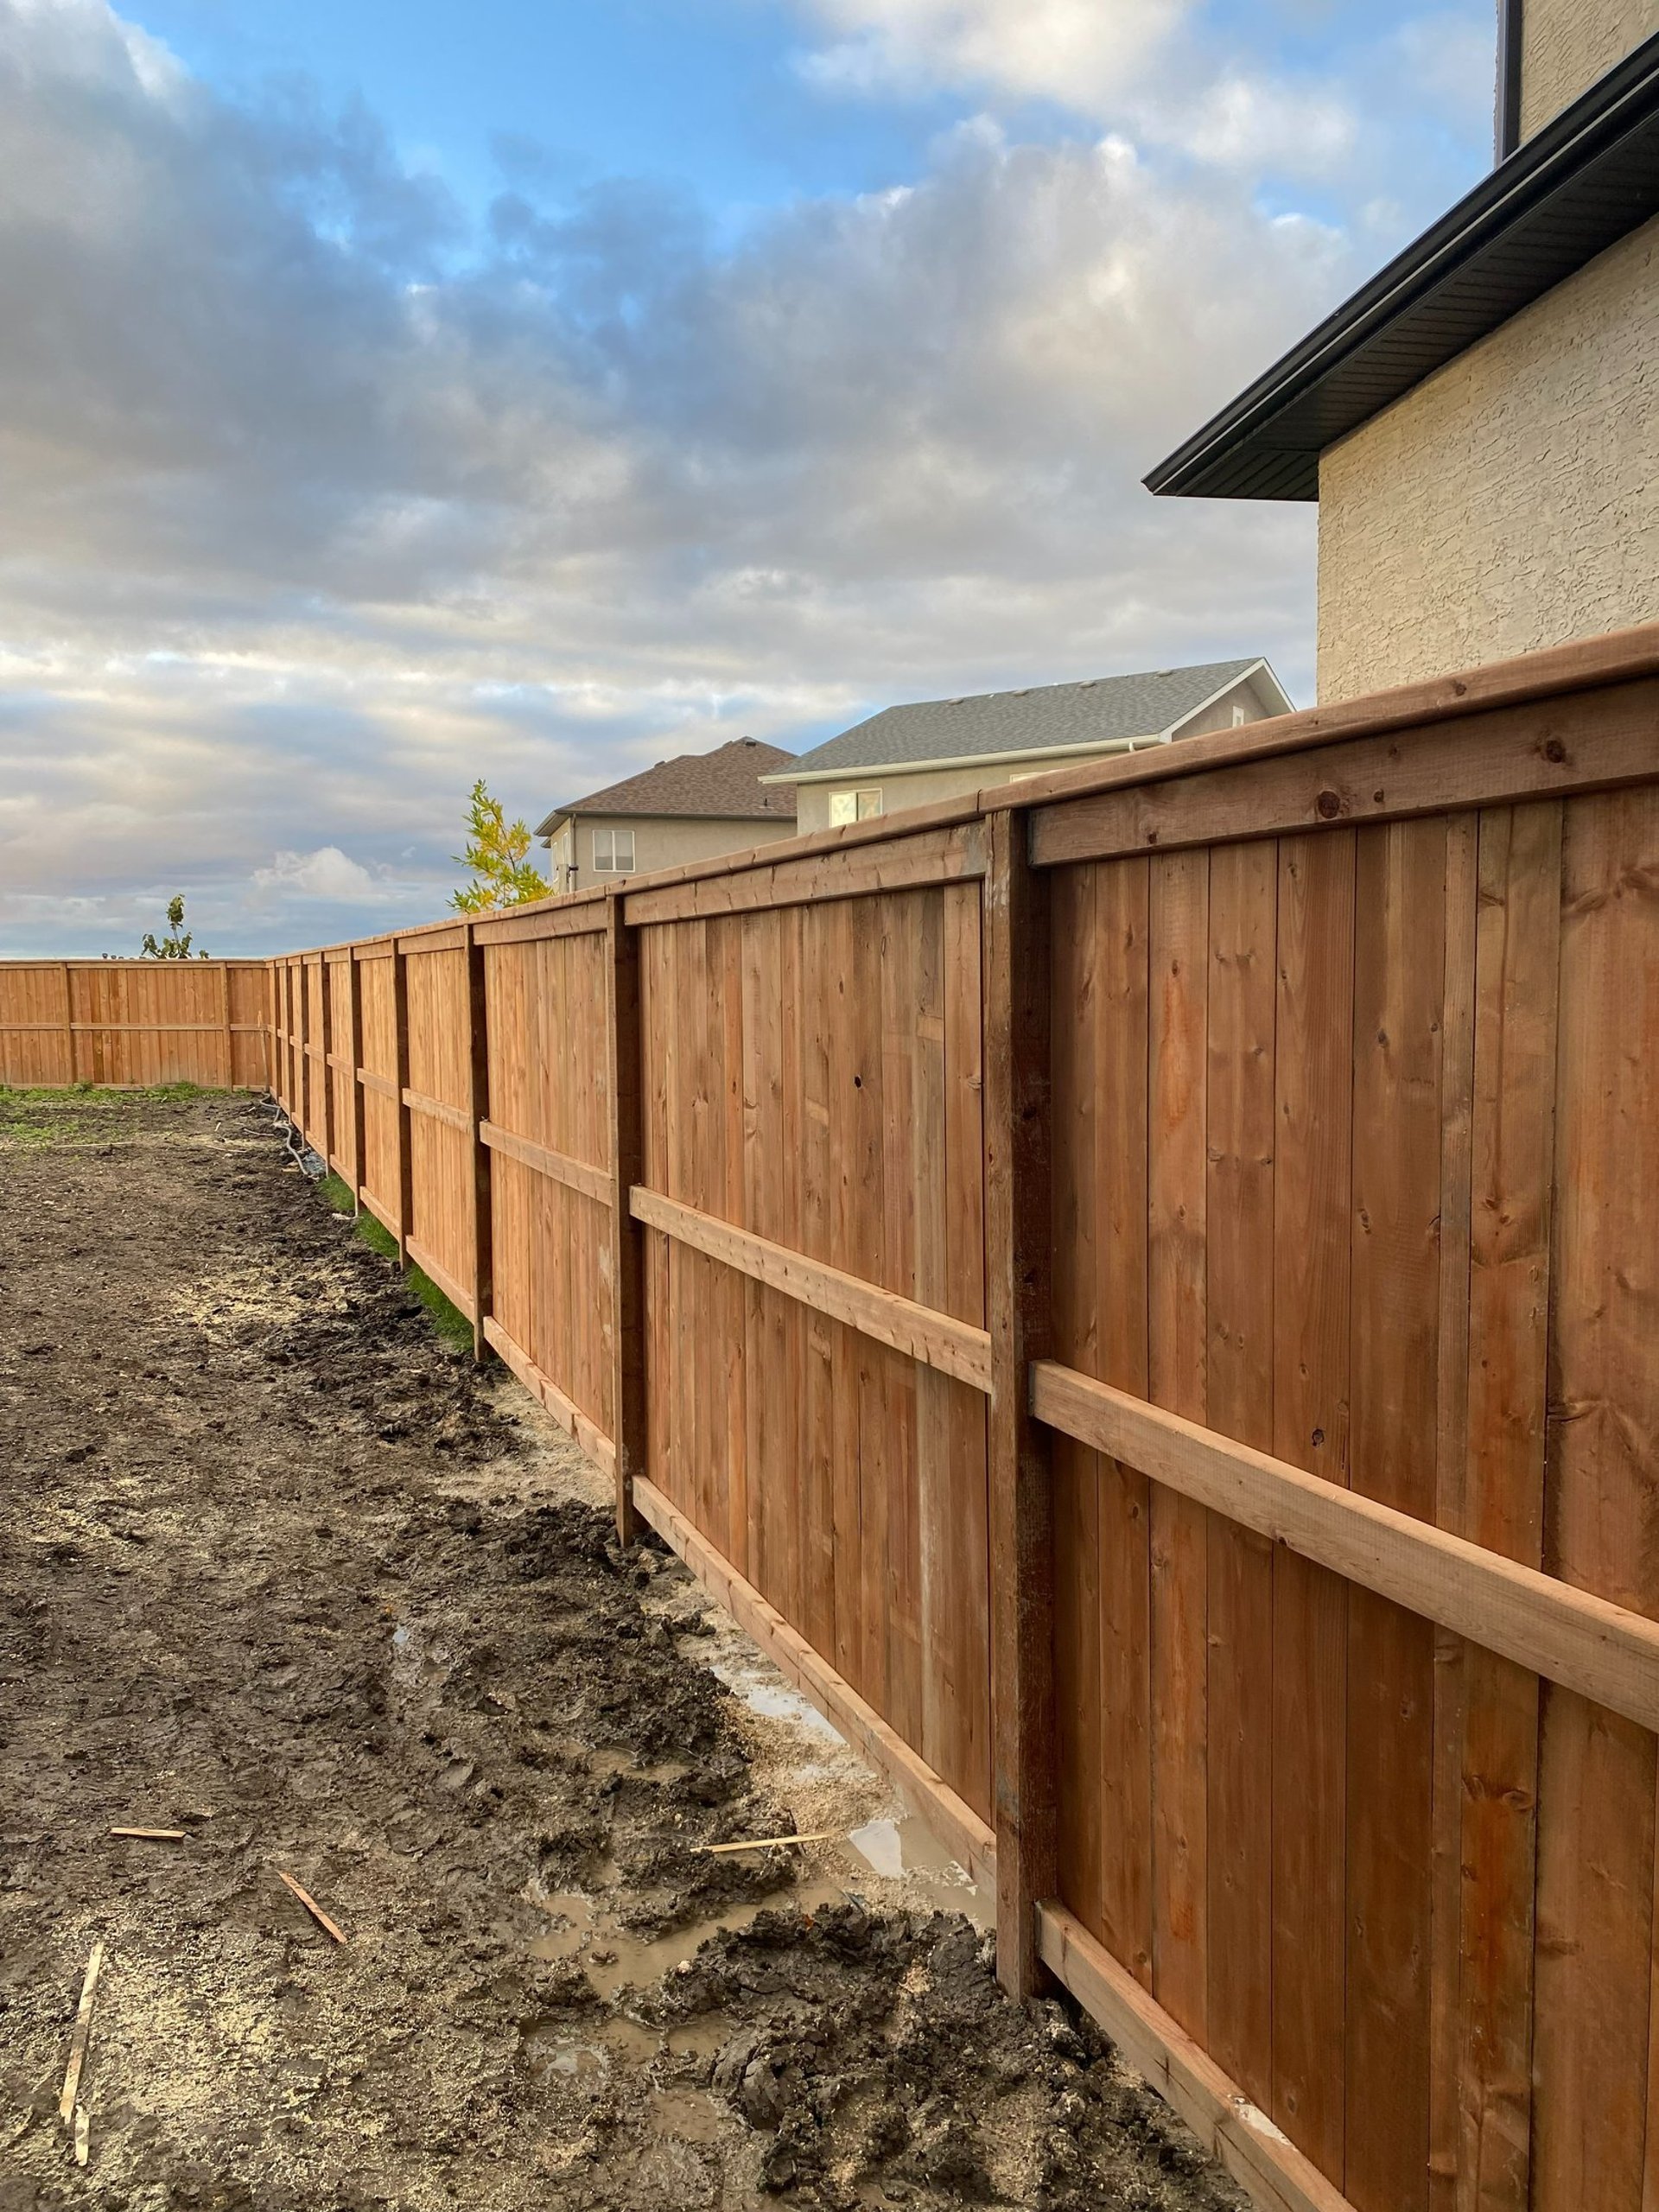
<point x="321" y="502"/>
<point x="326" y="873"/>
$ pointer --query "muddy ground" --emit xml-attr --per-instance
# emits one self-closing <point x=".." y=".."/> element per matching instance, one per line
<point x="280" y="1569"/>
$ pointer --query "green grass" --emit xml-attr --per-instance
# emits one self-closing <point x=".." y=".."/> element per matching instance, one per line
<point x="35" y="1115"/>
<point x="448" y="1320"/>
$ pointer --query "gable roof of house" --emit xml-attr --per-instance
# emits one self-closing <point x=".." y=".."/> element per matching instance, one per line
<point x="723" y="786"/>
<point x="1574" y="189"/>
<point x="1046" y="718"/>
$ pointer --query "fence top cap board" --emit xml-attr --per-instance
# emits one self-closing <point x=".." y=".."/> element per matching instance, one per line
<point x="1621" y="656"/>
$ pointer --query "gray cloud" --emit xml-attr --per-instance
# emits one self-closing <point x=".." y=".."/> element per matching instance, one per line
<point x="318" y="505"/>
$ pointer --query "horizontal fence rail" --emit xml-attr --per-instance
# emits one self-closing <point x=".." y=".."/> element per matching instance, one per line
<point x="1138" y="1289"/>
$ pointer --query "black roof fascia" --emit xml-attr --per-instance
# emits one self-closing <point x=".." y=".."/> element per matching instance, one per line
<point x="1576" y="188"/>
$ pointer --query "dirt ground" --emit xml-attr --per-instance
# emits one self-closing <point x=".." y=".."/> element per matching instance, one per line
<point x="280" y="1569"/>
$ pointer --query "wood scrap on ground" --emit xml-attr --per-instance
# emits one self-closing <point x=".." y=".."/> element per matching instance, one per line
<point x="151" y="1836"/>
<point x="768" y="1842"/>
<point x="79" y="2040"/>
<point x="311" y="1907"/>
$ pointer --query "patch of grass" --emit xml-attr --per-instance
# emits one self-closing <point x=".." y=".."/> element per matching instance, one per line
<point x="448" y="1320"/>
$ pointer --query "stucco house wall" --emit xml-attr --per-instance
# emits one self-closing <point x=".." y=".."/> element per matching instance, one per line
<point x="1566" y="44"/>
<point x="657" y="843"/>
<point x="1510" y="501"/>
<point x="901" y="788"/>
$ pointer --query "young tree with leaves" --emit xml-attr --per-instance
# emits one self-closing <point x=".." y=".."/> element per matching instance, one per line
<point x="495" y="856"/>
<point x="176" y="946"/>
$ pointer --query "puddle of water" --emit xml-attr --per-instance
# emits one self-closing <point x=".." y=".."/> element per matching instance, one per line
<point x="688" y="2115"/>
<point x="594" y="2058"/>
<point x="586" y="1931"/>
<point x="763" y="1692"/>
<point x="904" y="1848"/>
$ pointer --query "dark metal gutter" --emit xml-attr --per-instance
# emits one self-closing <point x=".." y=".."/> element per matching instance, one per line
<point x="1584" y="182"/>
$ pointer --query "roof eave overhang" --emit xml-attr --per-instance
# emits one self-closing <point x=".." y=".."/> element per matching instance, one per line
<point x="1584" y="182"/>
<point x="852" y="770"/>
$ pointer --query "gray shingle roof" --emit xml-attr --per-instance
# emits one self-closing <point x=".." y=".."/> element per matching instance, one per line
<point x="1037" y="720"/>
<point x="723" y="786"/>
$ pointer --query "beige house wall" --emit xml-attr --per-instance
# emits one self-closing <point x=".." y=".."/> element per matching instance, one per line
<point x="900" y="789"/>
<point x="1566" y="44"/>
<point x="658" y="842"/>
<point x="1511" y="501"/>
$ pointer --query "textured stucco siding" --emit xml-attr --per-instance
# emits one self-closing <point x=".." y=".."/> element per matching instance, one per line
<point x="659" y="843"/>
<point x="1566" y="44"/>
<point x="899" y="791"/>
<point x="1510" y="502"/>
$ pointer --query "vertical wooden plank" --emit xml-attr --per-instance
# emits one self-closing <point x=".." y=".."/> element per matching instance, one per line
<point x="817" y="978"/>
<point x="406" y="1144"/>
<point x="966" y="1535"/>
<point x="1311" y="1200"/>
<point x="1122" y="901"/>
<point x="1242" y="999"/>
<point x="1452" y="1658"/>
<point x="730" y="1288"/>
<point x="629" y="1389"/>
<point x="1500" y="1504"/>
<point x="326" y="1017"/>
<point x="899" y="987"/>
<point x="227" y="1035"/>
<point x="1597" y="1772"/>
<point x="70" y="1067"/>
<point x="474" y="984"/>
<point x="359" y="1141"/>
<point x="1399" y="985"/>
<point x="935" y="1484"/>
<point x="1018" y="1208"/>
<point x="1178" y="930"/>
<point x="1075" y="1106"/>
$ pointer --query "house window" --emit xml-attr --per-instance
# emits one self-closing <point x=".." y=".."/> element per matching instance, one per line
<point x="1238" y="717"/>
<point x="613" y="852"/>
<point x="854" y="806"/>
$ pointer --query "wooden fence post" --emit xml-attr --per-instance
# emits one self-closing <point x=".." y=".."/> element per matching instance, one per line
<point x="627" y="1236"/>
<point x="325" y="993"/>
<point x="478" y="1048"/>
<point x="405" y="1135"/>
<point x="230" y="1033"/>
<point x="71" y="1072"/>
<point x="1018" y="1237"/>
<point x="358" y="1117"/>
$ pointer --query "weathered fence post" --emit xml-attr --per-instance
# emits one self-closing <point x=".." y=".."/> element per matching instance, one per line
<point x="477" y="1107"/>
<point x="405" y="1133"/>
<point x="628" y="1255"/>
<point x="360" y="1143"/>
<point x="1018" y="1245"/>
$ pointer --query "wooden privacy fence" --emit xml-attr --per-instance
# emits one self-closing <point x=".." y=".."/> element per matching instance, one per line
<point x="1143" y="1290"/>
<point x="134" y="1021"/>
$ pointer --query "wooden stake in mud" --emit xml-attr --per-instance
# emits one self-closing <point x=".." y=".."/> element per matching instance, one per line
<point x="78" y="2042"/>
<point x="478" y="1046"/>
<point x="627" y="1248"/>
<point x="328" y="1927"/>
<point x="1017" y="1202"/>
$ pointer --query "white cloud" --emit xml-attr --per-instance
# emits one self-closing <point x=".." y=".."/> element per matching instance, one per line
<point x="317" y="507"/>
<point x="326" y="873"/>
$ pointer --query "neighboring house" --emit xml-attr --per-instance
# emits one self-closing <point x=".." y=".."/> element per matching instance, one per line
<point x="1480" y="424"/>
<point x="907" y="756"/>
<point x="692" y="808"/>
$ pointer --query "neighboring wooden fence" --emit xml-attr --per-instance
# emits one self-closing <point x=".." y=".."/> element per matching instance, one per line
<point x="1144" y="1292"/>
<point x="134" y="1021"/>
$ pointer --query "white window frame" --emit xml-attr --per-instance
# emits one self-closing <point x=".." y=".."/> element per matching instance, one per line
<point x="860" y="805"/>
<point x="613" y="852"/>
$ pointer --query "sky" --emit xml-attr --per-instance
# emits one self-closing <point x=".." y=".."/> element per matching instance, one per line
<point x="394" y="392"/>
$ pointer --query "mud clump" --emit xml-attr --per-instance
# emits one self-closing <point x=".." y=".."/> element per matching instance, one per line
<point x="280" y="1570"/>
